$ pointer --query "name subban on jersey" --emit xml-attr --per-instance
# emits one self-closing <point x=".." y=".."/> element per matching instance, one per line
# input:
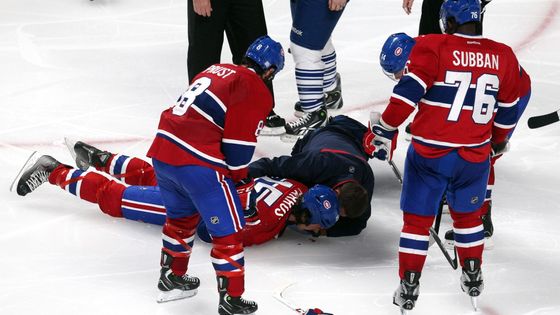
<point x="288" y="203"/>
<point x="476" y="59"/>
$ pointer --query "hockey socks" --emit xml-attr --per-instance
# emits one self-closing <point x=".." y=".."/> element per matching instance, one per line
<point x="229" y="261"/>
<point x="414" y="243"/>
<point x="469" y="235"/>
<point x="178" y="239"/>
<point x="130" y="170"/>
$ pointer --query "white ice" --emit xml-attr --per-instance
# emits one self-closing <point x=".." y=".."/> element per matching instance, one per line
<point x="102" y="71"/>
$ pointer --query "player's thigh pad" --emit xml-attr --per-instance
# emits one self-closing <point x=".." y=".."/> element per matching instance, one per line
<point x="143" y="203"/>
<point x="423" y="187"/>
<point x="312" y="23"/>
<point x="467" y="189"/>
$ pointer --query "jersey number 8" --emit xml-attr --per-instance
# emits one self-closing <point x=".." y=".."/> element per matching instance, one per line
<point x="194" y="90"/>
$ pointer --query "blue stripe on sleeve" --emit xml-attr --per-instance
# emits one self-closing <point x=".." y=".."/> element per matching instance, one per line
<point x="409" y="89"/>
<point x="209" y="106"/>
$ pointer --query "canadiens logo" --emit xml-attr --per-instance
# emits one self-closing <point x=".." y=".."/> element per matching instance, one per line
<point x="326" y="204"/>
<point x="398" y="51"/>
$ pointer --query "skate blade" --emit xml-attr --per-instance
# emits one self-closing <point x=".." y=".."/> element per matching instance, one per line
<point x="275" y="131"/>
<point x="289" y="138"/>
<point x="474" y="302"/>
<point x="168" y="296"/>
<point x="404" y="312"/>
<point x="70" y="145"/>
<point x="30" y="162"/>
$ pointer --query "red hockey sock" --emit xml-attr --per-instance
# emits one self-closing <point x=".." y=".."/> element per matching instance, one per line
<point x="414" y="242"/>
<point x="131" y="170"/>
<point x="178" y="239"/>
<point x="469" y="235"/>
<point x="228" y="260"/>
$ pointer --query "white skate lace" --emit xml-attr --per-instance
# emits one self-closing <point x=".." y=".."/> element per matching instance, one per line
<point x="36" y="179"/>
<point x="302" y="121"/>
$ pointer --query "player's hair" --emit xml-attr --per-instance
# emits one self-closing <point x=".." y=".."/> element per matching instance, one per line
<point x="353" y="198"/>
<point x="252" y="64"/>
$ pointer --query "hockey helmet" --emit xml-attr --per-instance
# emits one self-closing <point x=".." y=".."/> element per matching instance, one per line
<point x="267" y="53"/>
<point x="463" y="11"/>
<point x="322" y="204"/>
<point x="394" y="54"/>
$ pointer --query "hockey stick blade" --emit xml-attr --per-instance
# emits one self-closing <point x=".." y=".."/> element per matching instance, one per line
<point x="451" y="261"/>
<point x="279" y="296"/>
<point x="543" y="120"/>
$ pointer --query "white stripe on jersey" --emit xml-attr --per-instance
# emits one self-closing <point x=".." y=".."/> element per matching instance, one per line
<point x="504" y="126"/>
<point x="417" y="79"/>
<point x="188" y="146"/>
<point x="500" y="104"/>
<point x="450" y="144"/>
<point x="203" y="114"/>
<point x="404" y="99"/>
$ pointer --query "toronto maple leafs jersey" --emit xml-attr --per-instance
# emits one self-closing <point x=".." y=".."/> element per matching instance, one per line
<point x="215" y="123"/>
<point x="465" y="88"/>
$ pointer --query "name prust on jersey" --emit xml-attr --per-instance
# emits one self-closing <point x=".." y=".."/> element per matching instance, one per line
<point x="476" y="59"/>
<point x="288" y="203"/>
<point x="219" y="71"/>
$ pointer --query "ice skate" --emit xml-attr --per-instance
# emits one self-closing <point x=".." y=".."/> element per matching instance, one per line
<point x="86" y="155"/>
<point x="472" y="282"/>
<point x="173" y="287"/>
<point x="407" y="293"/>
<point x="34" y="173"/>
<point x="309" y="122"/>
<point x="274" y="125"/>
<point x="333" y="99"/>
<point x="230" y="305"/>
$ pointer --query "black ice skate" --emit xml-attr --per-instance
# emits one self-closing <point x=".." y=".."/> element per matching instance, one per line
<point x="310" y="121"/>
<point x="230" y="305"/>
<point x="407" y="293"/>
<point x="487" y="222"/>
<point x="332" y="100"/>
<point x="173" y="287"/>
<point x="87" y="155"/>
<point x="274" y="125"/>
<point x="471" y="280"/>
<point x="34" y="173"/>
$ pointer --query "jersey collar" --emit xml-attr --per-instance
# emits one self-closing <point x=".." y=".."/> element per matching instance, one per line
<point x="467" y="36"/>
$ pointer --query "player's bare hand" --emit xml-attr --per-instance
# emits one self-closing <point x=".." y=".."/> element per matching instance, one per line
<point x="202" y="7"/>
<point x="337" y="5"/>
<point x="407" y="6"/>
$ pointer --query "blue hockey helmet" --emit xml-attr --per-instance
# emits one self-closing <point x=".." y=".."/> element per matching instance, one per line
<point x="394" y="54"/>
<point x="267" y="53"/>
<point x="463" y="11"/>
<point x="322" y="203"/>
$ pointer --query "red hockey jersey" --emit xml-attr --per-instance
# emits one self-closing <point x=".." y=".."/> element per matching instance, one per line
<point x="215" y="123"/>
<point x="466" y="89"/>
<point x="274" y="201"/>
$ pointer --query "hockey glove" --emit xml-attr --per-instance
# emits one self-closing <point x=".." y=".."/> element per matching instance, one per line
<point x="500" y="148"/>
<point x="380" y="140"/>
<point x="316" y="311"/>
<point x="244" y="188"/>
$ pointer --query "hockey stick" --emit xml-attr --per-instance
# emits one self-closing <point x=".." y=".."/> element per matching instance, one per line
<point x="395" y="170"/>
<point x="451" y="261"/>
<point x="279" y="296"/>
<point x="543" y="120"/>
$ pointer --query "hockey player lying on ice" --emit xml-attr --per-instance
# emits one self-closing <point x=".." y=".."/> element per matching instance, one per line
<point x="131" y="192"/>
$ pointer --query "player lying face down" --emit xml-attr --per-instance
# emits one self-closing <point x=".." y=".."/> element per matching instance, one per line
<point x="133" y="194"/>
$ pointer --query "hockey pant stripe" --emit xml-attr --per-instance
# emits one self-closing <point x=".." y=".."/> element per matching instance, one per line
<point x="232" y="209"/>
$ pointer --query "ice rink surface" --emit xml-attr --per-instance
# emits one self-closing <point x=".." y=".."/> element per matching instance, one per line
<point x="102" y="72"/>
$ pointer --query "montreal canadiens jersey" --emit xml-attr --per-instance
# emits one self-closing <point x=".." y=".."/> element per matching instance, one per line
<point x="274" y="201"/>
<point x="215" y="123"/>
<point x="465" y="88"/>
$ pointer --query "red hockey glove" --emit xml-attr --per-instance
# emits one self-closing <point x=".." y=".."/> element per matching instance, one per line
<point x="380" y="140"/>
<point x="316" y="311"/>
<point x="244" y="188"/>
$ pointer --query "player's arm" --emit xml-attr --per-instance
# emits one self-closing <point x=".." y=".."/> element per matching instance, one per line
<point x="421" y="73"/>
<point x="306" y="167"/>
<point x="242" y="121"/>
<point x="347" y="227"/>
<point x="507" y="98"/>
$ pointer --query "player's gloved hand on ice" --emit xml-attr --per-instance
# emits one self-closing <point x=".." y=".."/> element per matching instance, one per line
<point x="316" y="311"/>
<point x="244" y="188"/>
<point x="499" y="148"/>
<point x="380" y="140"/>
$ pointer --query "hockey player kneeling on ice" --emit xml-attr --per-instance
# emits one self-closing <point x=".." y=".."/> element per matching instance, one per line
<point x="333" y="156"/>
<point x="451" y="145"/>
